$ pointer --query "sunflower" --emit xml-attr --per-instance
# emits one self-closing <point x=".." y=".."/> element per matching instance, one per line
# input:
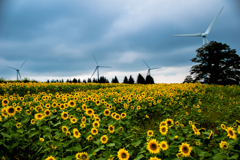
<point x="47" y="105"/>
<point x="94" y="131"/>
<point x="234" y="124"/>
<point x="68" y="133"/>
<point x="111" y="128"/>
<point x="39" y="116"/>
<point x="41" y="139"/>
<point x="104" y="139"/>
<point x="123" y="115"/>
<point x="198" y="143"/>
<point x="97" y="119"/>
<point x="224" y="145"/>
<point x="76" y="133"/>
<point x="223" y="126"/>
<point x="28" y="112"/>
<point x="50" y="158"/>
<point x="153" y="146"/>
<point x="238" y="129"/>
<point x="19" y="109"/>
<point x="82" y="125"/>
<point x="106" y="112"/>
<point x="163" y="145"/>
<point x="96" y="124"/>
<point x="185" y="149"/>
<point x="84" y="107"/>
<point x="47" y="112"/>
<point x="83" y="120"/>
<point x="123" y="154"/>
<point x="169" y="122"/>
<point x="150" y="133"/>
<point x="5" y="102"/>
<point x="73" y="120"/>
<point x="61" y="106"/>
<point x="210" y="135"/>
<point x="163" y="123"/>
<point x="18" y="125"/>
<point x="117" y="117"/>
<point x="231" y="133"/>
<point x="190" y="122"/>
<point x="82" y="156"/>
<point x="154" y="158"/>
<point x="11" y="111"/>
<point x="64" y="129"/>
<point x="90" y="137"/>
<point x="64" y="115"/>
<point x="54" y="104"/>
<point x="4" y="112"/>
<point x="90" y="112"/>
<point x="163" y="130"/>
<point x="177" y="123"/>
<point x="196" y="131"/>
<point x="72" y="103"/>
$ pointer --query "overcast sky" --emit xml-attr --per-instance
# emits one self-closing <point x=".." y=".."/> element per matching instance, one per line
<point x="58" y="38"/>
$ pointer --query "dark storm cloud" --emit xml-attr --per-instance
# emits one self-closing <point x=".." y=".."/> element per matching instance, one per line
<point x="59" y="38"/>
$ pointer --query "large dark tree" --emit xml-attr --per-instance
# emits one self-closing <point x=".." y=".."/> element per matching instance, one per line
<point x="218" y="64"/>
<point x="115" y="80"/>
<point x="125" y="79"/>
<point x="140" y="79"/>
<point x="149" y="80"/>
<point x="188" y="79"/>
<point x="131" y="80"/>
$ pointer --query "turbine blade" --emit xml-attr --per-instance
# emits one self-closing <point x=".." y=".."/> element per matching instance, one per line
<point x="94" y="71"/>
<point x="95" y="58"/>
<point x="189" y="35"/>
<point x="19" y="75"/>
<point x="155" y="68"/>
<point x="105" y="67"/>
<point x="12" y="67"/>
<point x="22" y="64"/>
<point x="146" y="64"/>
<point x="205" y="41"/>
<point x="209" y="28"/>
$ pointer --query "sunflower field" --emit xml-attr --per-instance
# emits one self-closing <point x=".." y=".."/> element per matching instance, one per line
<point x="93" y="121"/>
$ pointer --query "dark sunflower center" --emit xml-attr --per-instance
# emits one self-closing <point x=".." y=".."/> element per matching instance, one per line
<point x="163" y="146"/>
<point x="231" y="132"/>
<point x="124" y="155"/>
<point x="163" y="129"/>
<point x="169" y="122"/>
<point x="185" y="149"/>
<point x="65" y="115"/>
<point x="104" y="139"/>
<point x="111" y="128"/>
<point x="39" y="116"/>
<point x="5" y="101"/>
<point x="94" y="131"/>
<point x="107" y="112"/>
<point x="47" y="112"/>
<point x="76" y="133"/>
<point x="11" y="110"/>
<point x="72" y="103"/>
<point x="153" y="146"/>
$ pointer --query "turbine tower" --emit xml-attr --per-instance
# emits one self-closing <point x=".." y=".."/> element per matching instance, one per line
<point x="18" y="70"/>
<point x="148" y="73"/>
<point x="97" y="68"/>
<point x="203" y="35"/>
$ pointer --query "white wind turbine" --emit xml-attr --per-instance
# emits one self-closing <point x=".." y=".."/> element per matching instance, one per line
<point x="148" y="73"/>
<point x="97" y="68"/>
<point x="18" y="70"/>
<point x="203" y="35"/>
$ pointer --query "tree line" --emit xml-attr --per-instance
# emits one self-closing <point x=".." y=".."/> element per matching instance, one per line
<point x="102" y="79"/>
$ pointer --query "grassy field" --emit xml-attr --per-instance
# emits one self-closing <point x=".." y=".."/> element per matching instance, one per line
<point x="119" y="121"/>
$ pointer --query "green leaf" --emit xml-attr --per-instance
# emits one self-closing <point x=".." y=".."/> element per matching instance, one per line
<point x="219" y="156"/>
<point x="135" y="144"/>
<point x="99" y="148"/>
<point x="139" y="157"/>
<point x="57" y="124"/>
<point x="33" y="134"/>
<point x="69" y="158"/>
<point x="202" y="153"/>
<point x="235" y="156"/>
<point x="6" y="135"/>
<point x="111" y="144"/>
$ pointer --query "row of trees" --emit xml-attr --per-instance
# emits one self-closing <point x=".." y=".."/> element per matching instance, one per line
<point x="217" y="64"/>
<point x="130" y="80"/>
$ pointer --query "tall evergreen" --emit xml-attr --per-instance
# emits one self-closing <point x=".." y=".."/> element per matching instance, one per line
<point x="149" y="79"/>
<point x="140" y="79"/>
<point x="125" y="80"/>
<point x="131" y="80"/>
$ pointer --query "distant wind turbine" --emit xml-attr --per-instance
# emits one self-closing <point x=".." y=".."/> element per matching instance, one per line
<point x="203" y="35"/>
<point x="148" y="73"/>
<point x="97" y="68"/>
<point x="18" y="70"/>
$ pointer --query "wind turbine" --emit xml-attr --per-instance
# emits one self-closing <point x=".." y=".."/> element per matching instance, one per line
<point x="97" y="68"/>
<point x="203" y="35"/>
<point x="18" y="70"/>
<point x="148" y="73"/>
